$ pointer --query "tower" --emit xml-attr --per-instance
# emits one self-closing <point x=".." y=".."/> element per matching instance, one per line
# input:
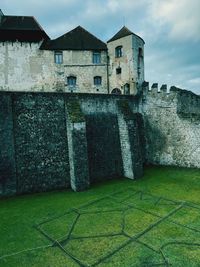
<point x="126" y="62"/>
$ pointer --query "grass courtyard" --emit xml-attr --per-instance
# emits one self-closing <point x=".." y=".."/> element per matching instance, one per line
<point x="154" y="221"/>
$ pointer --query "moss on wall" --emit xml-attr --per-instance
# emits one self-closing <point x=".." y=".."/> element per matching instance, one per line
<point x="75" y="112"/>
<point x="125" y="109"/>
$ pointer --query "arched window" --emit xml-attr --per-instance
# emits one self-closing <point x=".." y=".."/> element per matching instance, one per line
<point x="140" y="62"/>
<point x="118" y="51"/>
<point x="116" y="91"/>
<point x="71" y="81"/>
<point x="127" y="89"/>
<point x="97" y="80"/>
<point x="140" y="52"/>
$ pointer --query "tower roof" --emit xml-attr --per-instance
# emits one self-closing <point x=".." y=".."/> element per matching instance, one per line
<point x="123" y="32"/>
<point x="76" y="39"/>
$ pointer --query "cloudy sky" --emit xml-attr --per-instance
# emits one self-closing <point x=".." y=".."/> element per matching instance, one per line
<point x="170" y="28"/>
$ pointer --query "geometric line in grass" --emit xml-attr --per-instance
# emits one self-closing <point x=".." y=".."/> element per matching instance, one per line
<point x="182" y="254"/>
<point x="119" y="216"/>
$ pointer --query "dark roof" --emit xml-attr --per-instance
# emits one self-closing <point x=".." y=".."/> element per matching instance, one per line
<point x="123" y="33"/>
<point x="24" y="29"/>
<point x="77" y="39"/>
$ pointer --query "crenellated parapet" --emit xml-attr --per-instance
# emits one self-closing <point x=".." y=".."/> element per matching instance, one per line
<point x="187" y="103"/>
<point x="159" y="96"/>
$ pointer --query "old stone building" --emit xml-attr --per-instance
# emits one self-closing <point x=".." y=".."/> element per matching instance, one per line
<point x="126" y="51"/>
<point x="74" y="62"/>
<point x="59" y="140"/>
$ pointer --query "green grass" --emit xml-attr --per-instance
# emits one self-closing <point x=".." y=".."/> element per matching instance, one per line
<point x="111" y="224"/>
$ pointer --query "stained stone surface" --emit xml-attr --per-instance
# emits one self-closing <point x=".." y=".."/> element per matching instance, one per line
<point x="172" y="127"/>
<point x="54" y="141"/>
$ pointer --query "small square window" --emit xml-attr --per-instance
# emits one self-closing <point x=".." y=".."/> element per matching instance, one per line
<point x="97" y="80"/>
<point x="58" y="57"/>
<point x="71" y="81"/>
<point x="118" y="70"/>
<point x="96" y="59"/>
<point x="118" y="51"/>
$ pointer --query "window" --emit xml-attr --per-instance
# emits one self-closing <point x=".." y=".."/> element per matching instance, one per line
<point x="97" y="80"/>
<point x="96" y="57"/>
<point x="118" y="51"/>
<point x="127" y="89"/>
<point x="116" y="91"/>
<point x="58" y="57"/>
<point x="118" y="70"/>
<point x="140" y="52"/>
<point x="140" y="62"/>
<point x="71" y="81"/>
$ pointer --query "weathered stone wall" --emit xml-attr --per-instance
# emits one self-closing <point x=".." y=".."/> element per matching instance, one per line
<point x="7" y="151"/>
<point x="132" y="140"/>
<point x="78" y="158"/>
<point x="105" y="158"/>
<point x="172" y="127"/>
<point x="24" y="67"/>
<point x="128" y="63"/>
<point x="138" y="62"/>
<point x="41" y="151"/>
<point x="54" y="140"/>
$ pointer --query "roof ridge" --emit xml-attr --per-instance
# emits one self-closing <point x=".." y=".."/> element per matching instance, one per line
<point x="39" y="26"/>
<point x="76" y="39"/>
<point x="18" y="16"/>
<point x="79" y="27"/>
<point x="91" y="34"/>
<point x="123" y="32"/>
<point x="21" y="28"/>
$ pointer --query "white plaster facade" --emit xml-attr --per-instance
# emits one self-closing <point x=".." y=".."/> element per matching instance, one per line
<point x="24" y="66"/>
<point x="131" y="63"/>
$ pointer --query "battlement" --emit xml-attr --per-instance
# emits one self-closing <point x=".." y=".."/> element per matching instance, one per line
<point x="159" y="96"/>
<point x="155" y="88"/>
<point x="187" y="103"/>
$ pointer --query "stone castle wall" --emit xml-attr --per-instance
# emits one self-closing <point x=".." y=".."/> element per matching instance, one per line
<point x="172" y="126"/>
<point x="53" y="141"/>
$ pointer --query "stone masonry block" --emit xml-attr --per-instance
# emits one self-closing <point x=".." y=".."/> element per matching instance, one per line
<point x="77" y="143"/>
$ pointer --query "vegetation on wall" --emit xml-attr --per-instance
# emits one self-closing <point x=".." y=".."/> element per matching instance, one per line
<point x="75" y="112"/>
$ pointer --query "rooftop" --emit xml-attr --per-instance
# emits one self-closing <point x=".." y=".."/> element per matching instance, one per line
<point x="123" y="33"/>
<point x="76" y="39"/>
<point x="21" y="28"/>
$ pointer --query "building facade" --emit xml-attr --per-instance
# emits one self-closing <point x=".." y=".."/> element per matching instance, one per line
<point x="74" y="62"/>
<point x="126" y="51"/>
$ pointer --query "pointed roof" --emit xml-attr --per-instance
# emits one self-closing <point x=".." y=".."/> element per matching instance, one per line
<point x="77" y="39"/>
<point x="123" y="33"/>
